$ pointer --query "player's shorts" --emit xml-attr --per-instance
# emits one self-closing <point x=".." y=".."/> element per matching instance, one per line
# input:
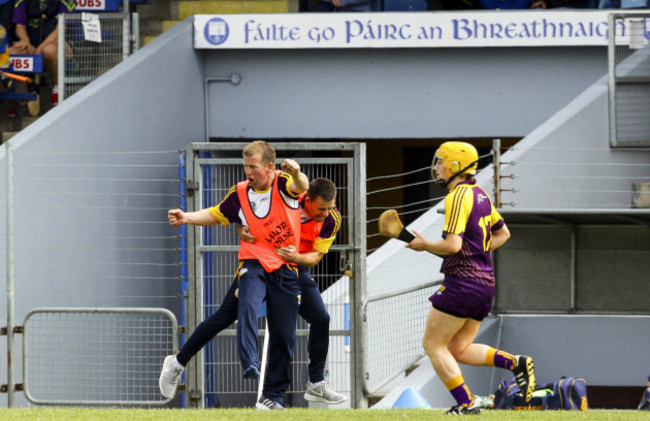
<point x="463" y="298"/>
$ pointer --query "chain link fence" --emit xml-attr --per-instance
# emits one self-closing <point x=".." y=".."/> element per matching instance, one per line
<point x="80" y="60"/>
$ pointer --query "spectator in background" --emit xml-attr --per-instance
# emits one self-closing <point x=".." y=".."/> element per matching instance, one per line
<point x="555" y="4"/>
<point x="6" y="28"/>
<point x="453" y="4"/>
<point x="337" y="6"/>
<point x="623" y="4"/>
<point x="5" y="82"/>
<point x="6" y="15"/>
<point x="505" y="4"/>
<point x="37" y="33"/>
<point x="645" y="399"/>
<point x="511" y="4"/>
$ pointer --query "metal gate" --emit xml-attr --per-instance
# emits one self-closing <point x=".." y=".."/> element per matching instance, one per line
<point x="214" y="377"/>
<point x="629" y="79"/>
<point x="96" y="356"/>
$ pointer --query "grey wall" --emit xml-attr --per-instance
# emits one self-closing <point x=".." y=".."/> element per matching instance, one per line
<point x="605" y="351"/>
<point x="84" y="142"/>
<point x="388" y="93"/>
<point x="567" y="163"/>
<point x="536" y="268"/>
<point x="93" y="180"/>
<point x="586" y="346"/>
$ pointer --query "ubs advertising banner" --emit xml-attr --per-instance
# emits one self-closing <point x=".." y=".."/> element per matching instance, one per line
<point x="408" y="30"/>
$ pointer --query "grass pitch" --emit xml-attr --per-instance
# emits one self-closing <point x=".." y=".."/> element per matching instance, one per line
<point x="67" y="414"/>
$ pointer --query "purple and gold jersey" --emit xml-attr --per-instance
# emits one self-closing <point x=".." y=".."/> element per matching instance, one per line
<point x="470" y="214"/>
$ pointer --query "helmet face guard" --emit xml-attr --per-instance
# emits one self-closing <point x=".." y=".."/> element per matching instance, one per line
<point x="437" y="160"/>
<point x="456" y="158"/>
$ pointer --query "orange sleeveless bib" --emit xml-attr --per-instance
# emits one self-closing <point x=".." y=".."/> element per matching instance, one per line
<point x="308" y="233"/>
<point x="279" y="228"/>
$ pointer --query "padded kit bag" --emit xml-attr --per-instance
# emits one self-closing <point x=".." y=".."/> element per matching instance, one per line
<point x="568" y="393"/>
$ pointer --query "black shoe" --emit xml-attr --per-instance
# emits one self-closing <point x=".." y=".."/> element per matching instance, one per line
<point x="463" y="410"/>
<point x="645" y="401"/>
<point x="265" y="404"/>
<point x="525" y="375"/>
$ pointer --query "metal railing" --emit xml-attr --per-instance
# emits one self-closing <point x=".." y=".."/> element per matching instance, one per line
<point x="629" y="79"/>
<point x="390" y="352"/>
<point x="96" y="356"/>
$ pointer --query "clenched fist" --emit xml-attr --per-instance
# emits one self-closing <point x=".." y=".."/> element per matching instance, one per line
<point x="176" y="217"/>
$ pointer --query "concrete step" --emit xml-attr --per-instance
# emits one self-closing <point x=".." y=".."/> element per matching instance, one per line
<point x="168" y="24"/>
<point x="152" y="25"/>
<point x="148" y="38"/>
<point x="188" y="7"/>
<point x="156" y="9"/>
<point x="8" y="126"/>
<point x="8" y="135"/>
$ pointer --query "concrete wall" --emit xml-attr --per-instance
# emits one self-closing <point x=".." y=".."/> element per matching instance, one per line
<point x="93" y="180"/>
<point x="605" y="351"/>
<point x="388" y="93"/>
<point x="567" y="162"/>
<point x="604" y="260"/>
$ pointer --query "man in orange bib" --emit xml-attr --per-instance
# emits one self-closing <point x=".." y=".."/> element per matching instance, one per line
<point x="268" y="203"/>
<point x="320" y="223"/>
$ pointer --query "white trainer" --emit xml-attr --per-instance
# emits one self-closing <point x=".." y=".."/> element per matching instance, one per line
<point x="266" y="404"/>
<point x="323" y="392"/>
<point x="170" y="376"/>
<point x="482" y="402"/>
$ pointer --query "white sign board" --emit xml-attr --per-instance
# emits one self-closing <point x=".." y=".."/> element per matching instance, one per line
<point x="92" y="27"/>
<point x="94" y="5"/>
<point x="22" y="63"/>
<point x="404" y="30"/>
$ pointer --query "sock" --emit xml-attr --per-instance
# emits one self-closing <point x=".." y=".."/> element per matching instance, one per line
<point x="176" y="363"/>
<point x="459" y="390"/>
<point x="501" y="359"/>
<point x="316" y="384"/>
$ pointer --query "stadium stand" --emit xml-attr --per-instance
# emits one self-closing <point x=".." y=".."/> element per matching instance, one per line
<point x="155" y="16"/>
<point x="158" y="16"/>
<point x="28" y="65"/>
<point x="404" y="5"/>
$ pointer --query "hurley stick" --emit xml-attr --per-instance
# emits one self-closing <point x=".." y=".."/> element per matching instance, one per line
<point x="391" y="226"/>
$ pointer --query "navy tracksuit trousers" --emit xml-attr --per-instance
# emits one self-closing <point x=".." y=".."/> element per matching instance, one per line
<point x="312" y="309"/>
